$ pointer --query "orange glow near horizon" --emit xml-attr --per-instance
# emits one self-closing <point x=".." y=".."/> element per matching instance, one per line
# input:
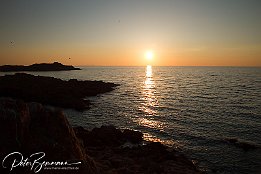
<point x="126" y="55"/>
<point x="134" y="57"/>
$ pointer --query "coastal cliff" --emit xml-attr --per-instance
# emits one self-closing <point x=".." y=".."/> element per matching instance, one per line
<point x="52" y="91"/>
<point x="28" y="128"/>
<point x="56" y="66"/>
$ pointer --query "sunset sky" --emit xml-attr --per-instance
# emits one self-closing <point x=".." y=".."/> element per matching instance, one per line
<point x="119" y="32"/>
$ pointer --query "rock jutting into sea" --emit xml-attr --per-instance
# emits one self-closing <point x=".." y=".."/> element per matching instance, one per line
<point x="121" y="151"/>
<point x="246" y="146"/>
<point x="52" y="91"/>
<point x="56" y="66"/>
<point x="28" y="128"/>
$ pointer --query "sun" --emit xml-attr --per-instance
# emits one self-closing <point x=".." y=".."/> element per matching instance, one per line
<point x="149" y="54"/>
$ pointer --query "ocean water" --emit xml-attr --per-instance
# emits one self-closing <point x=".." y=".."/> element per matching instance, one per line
<point x="191" y="108"/>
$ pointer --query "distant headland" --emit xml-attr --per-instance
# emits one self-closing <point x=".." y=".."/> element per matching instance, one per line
<point x="56" y="66"/>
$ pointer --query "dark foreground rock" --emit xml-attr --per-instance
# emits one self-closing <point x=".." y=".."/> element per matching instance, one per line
<point x="108" y="147"/>
<point x="52" y="91"/>
<point x="56" y="66"/>
<point x="31" y="128"/>
<point x="108" y="136"/>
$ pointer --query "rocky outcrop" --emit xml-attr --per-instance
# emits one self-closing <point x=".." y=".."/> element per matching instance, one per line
<point x="52" y="91"/>
<point x="109" y="147"/>
<point x="246" y="146"/>
<point x="56" y="66"/>
<point x="28" y="128"/>
<point x="108" y="136"/>
<point x="32" y="128"/>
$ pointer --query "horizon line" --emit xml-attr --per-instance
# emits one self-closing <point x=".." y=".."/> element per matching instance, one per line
<point x="257" y="66"/>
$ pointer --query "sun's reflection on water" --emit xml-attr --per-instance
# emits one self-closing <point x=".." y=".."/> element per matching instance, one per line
<point x="149" y="102"/>
<point x="149" y="99"/>
<point x="170" y="143"/>
<point x="149" y="71"/>
<point x="151" y="123"/>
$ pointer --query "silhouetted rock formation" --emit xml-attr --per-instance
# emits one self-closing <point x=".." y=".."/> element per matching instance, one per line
<point x="108" y="136"/>
<point x="106" y="146"/>
<point x="52" y="91"/>
<point x="56" y="66"/>
<point x="241" y="144"/>
<point x="32" y="128"/>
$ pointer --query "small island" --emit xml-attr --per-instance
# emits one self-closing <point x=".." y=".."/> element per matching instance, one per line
<point x="56" y="66"/>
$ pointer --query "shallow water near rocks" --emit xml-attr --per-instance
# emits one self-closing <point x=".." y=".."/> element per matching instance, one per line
<point x="194" y="108"/>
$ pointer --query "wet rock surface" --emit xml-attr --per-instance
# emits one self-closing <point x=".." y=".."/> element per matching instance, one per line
<point x="56" y="66"/>
<point x="52" y="91"/>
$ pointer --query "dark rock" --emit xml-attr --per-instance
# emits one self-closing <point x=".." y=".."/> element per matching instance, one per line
<point x="108" y="136"/>
<point x="132" y="136"/>
<point x="52" y="91"/>
<point x="246" y="146"/>
<point x="14" y="116"/>
<point x="104" y="136"/>
<point x="56" y="66"/>
<point x="32" y="128"/>
<point x="104" y="145"/>
<point x="231" y="140"/>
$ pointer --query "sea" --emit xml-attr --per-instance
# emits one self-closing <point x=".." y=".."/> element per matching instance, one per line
<point x="192" y="109"/>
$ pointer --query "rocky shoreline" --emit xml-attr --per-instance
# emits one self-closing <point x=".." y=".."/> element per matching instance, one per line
<point x="52" y="91"/>
<point x="56" y="66"/>
<point x="123" y="151"/>
<point x="30" y="127"/>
